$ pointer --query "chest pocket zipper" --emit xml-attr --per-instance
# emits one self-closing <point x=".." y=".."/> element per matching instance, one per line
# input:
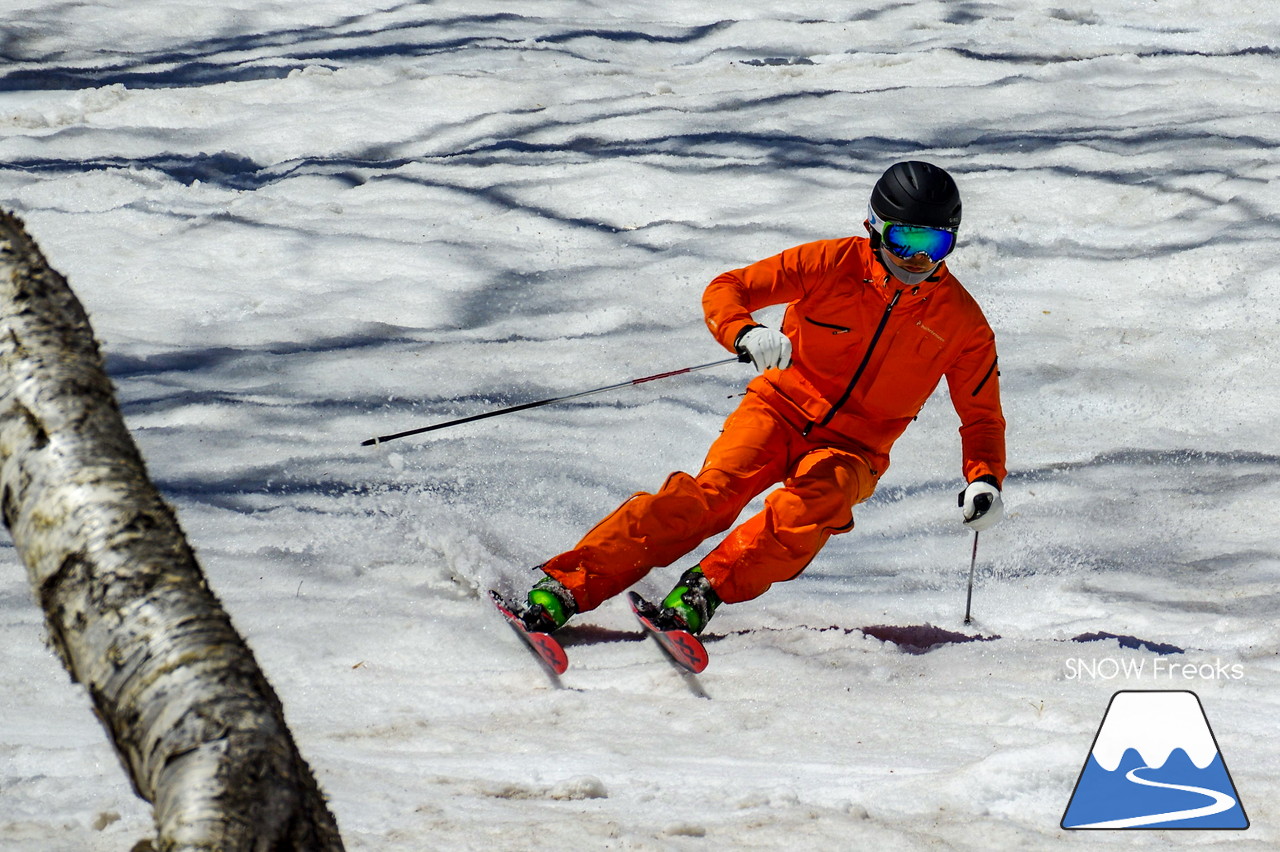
<point x="835" y="329"/>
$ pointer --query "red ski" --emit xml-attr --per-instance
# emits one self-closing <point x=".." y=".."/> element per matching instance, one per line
<point x="684" y="649"/>
<point x="546" y="646"/>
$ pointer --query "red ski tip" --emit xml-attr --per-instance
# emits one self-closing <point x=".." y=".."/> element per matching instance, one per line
<point x="682" y="647"/>
<point x="544" y="645"/>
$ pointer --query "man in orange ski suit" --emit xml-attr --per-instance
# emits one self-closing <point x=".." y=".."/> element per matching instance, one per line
<point x="867" y="348"/>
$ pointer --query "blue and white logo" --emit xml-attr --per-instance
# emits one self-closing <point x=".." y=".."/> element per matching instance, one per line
<point x="1154" y="764"/>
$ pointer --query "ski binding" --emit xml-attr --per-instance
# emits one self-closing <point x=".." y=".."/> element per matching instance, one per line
<point x="546" y="646"/>
<point x="684" y="649"/>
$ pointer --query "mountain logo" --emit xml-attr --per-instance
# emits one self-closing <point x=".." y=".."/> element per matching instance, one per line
<point x="1154" y="764"/>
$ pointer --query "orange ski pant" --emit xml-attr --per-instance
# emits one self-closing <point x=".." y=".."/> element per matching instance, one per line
<point x="757" y="449"/>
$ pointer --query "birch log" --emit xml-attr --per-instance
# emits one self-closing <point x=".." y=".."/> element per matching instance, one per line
<point x="198" y="729"/>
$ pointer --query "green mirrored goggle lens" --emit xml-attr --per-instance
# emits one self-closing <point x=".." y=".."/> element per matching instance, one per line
<point x="907" y="241"/>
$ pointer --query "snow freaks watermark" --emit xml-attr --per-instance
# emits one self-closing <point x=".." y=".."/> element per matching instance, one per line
<point x="1154" y="763"/>
<point x="1160" y="670"/>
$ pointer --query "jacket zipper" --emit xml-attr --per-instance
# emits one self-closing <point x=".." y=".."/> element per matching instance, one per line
<point x="835" y="329"/>
<point x="866" y="359"/>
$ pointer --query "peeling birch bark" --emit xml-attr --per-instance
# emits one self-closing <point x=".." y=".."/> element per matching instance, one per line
<point x="197" y="727"/>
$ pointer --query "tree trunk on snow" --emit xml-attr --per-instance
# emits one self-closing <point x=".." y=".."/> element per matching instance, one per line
<point x="197" y="727"/>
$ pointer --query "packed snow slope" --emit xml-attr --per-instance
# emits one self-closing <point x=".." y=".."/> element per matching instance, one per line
<point x="297" y="226"/>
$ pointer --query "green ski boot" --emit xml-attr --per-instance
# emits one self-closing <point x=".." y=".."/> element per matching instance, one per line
<point x="550" y="606"/>
<point x="691" y="603"/>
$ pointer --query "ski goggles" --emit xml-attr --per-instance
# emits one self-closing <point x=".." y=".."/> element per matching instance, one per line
<point x="907" y="241"/>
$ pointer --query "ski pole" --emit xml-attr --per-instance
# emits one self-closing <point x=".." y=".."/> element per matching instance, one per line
<point x="527" y="405"/>
<point x="973" y="561"/>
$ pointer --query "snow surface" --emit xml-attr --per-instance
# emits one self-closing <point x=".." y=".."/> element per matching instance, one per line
<point x="296" y="226"/>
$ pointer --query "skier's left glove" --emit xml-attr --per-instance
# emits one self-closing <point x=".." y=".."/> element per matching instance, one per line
<point x="765" y="347"/>
<point x="981" y="505"/>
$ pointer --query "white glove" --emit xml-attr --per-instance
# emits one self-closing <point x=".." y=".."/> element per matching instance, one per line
<point x="981" y="505"/>
<point x="766" y="347"/>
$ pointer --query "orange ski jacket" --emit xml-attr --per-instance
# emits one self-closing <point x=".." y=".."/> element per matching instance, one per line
<point x="867" y="350"/>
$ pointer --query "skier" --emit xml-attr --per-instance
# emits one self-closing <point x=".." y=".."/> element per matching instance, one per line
<point x="872" y="325"/>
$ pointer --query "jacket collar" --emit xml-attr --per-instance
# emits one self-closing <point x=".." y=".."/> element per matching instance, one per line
<point x="879" y="277"/>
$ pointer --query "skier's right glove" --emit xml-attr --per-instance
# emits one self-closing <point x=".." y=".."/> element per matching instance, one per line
<point x="981" y="505"/>
<point x="765" y="347"/>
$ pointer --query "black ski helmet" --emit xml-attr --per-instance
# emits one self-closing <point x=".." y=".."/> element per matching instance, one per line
<point x="916" y="193"/>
